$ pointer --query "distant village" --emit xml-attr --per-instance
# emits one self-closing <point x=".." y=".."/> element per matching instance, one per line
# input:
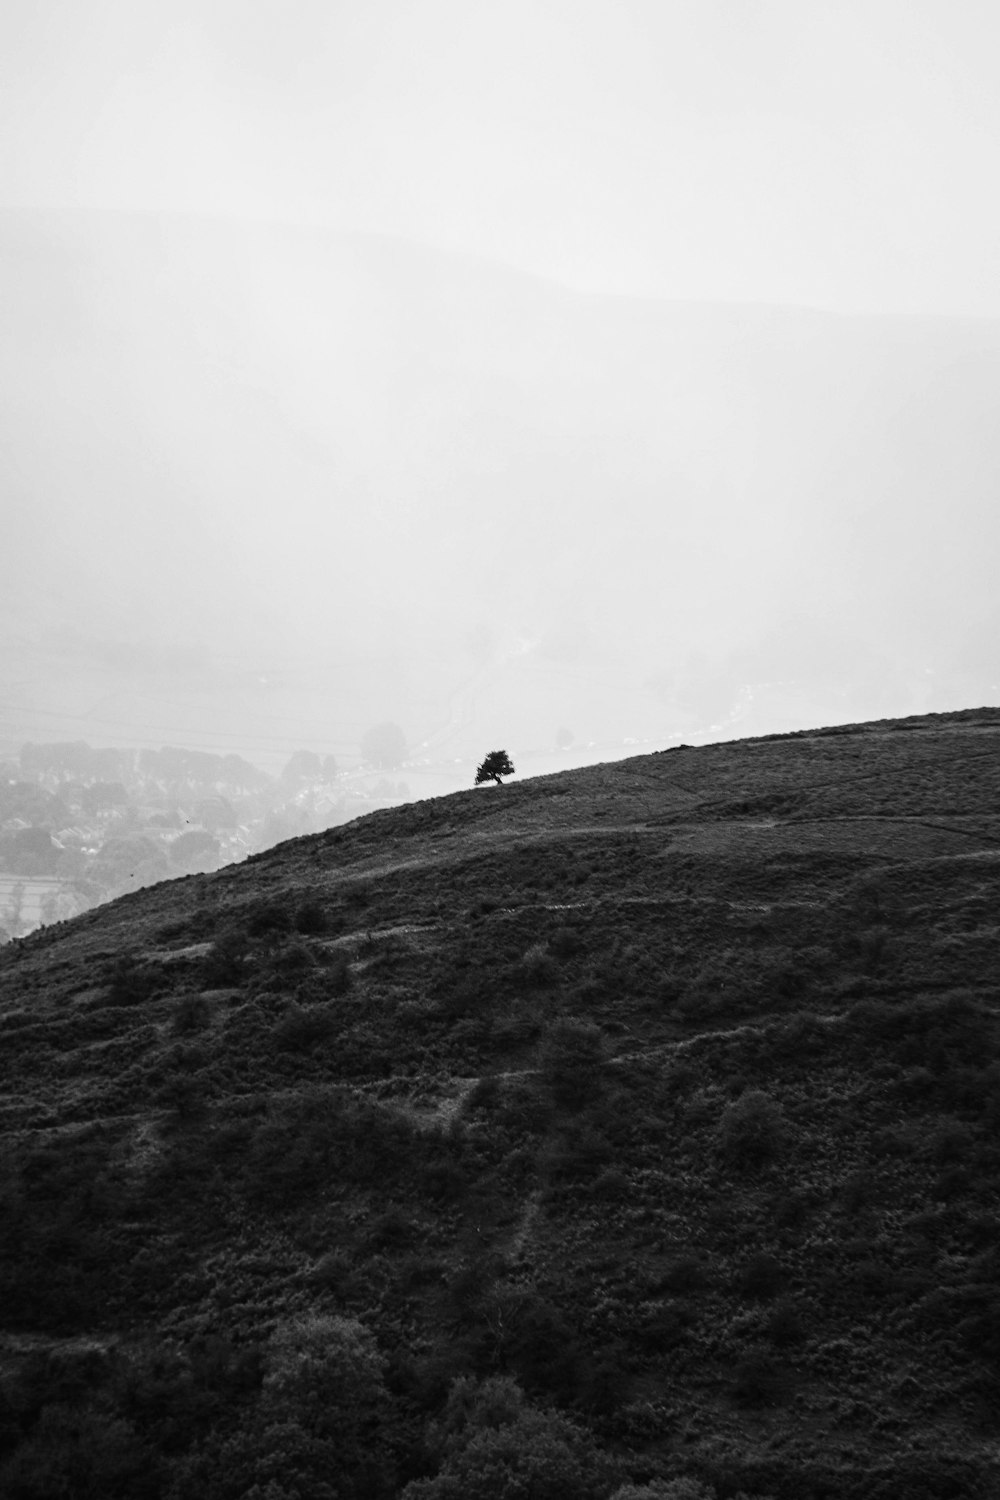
<point x="80" y="825"/>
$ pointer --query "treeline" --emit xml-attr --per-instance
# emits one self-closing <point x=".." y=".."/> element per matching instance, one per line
<point x="170" y="767"/>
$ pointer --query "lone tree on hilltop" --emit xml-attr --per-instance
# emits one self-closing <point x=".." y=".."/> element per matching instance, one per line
<point x="498" y="763"/>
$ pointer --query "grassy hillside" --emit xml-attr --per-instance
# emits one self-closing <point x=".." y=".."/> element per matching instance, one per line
<point x="629" y="1126"/>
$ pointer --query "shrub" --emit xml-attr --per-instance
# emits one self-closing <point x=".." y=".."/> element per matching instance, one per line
<point x="225" y="962"/>
<point x="872" y="948"/>
<point x="461" y="1000"/>
<point x="131" y="981"/>
<point x="866" y="899"/>
<point x="484" y="1094"/>
<point x="873" y="1279"/>
<point x="184" y="1094"/>
<point x="577" y="1153"/>
<point x="663" y="1326"/>
<point x="761" y="1278"/>
<point x="684" y="1275"/>
<point x="790" y="1211"/>
<point x="419" y="1269"/>
<point x="951" y="1142"/>
<point x="980" y="1331"/>
<point x="338" y="975"/>
<point x="300" y="1027"/>
<point x="392" y="1230"/>
<point x="541" y="1345"/>
<point x="571" y="1059"/>
<point x="565" y="943"/>
<point x="320" y="1427"/>
<point x="333" y="1271"/>
<point x="785" y="975"/>
<point x="758" y="1380"/>
<point x="80" y="1452"/>
<point x="442" y="1180"/>
<point x="665" y="1489"/>
<point x="860" y="1190"/>
<point x="192" y="1014"/>
<point x="310" y="918"/>
<point x="327" y="1370"/>
<point x="267" y="918"/>
<point x="752" y="1129"/>
<point x="502" y="1447"/>
<point x="784" y="1325"/>
<point x="953" y="1182"/>
<point x="722" y="987"/>
<point x="289" y="965"/>
<point x="611" y="1185"/>
<point x="535" y="967"/>
<point x="475" y="1404"/>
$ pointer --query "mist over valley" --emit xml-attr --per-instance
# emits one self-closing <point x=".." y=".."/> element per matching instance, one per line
<point x="269" y="485"/>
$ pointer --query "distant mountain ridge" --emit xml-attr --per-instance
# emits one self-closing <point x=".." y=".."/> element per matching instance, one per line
<point x="635" y="1123"/>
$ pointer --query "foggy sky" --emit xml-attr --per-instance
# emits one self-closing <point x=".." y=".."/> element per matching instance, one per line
<point x="834" y="153"/>
<point x="495" y="369"/>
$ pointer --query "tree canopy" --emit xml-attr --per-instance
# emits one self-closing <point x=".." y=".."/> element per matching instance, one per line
<point x="498" y="763"/>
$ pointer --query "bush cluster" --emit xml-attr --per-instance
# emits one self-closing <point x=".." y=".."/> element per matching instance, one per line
<point x="752" y="1130"/>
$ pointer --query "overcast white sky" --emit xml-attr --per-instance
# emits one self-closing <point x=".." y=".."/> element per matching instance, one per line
<point x="385" y="472"/>
<point x="835" y="153"/>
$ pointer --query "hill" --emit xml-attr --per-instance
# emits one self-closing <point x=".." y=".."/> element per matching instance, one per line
<point x="631" y="1124"/>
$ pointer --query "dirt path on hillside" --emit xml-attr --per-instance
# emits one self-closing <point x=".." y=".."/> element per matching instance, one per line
<point x="728" y="830"/>
<point x="455" y="1091"/>
<point x="458" y="1088"/>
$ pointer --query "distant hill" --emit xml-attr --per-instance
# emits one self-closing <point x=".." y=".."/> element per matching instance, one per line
<point x="628" y="1125"/>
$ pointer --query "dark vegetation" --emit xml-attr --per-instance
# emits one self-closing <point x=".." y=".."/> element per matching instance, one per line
<point x="495" y="767"/>
<point x="635" y="1133"/>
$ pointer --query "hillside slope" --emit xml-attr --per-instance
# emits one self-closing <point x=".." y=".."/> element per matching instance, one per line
<point x="668" y="1089"/>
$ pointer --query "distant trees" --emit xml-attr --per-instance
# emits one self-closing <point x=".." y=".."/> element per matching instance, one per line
<point x="214" y="813"/>
<point x="498" y="763"/>
<point x="102" y="795"/>
<point x="32" y="804"/>
<point x="195" y="850"/>
<point x="281" y="823"/>
<point x="306" y="768"/>
<point x="239" y="776"/>
<point x="77" y="761"/>
<point x="29" y="851"/>
<point x="128" y="862"/>
<point x="183" y="772"/>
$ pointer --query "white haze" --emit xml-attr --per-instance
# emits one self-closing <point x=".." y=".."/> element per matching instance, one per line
<point x="626" y="367"/>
